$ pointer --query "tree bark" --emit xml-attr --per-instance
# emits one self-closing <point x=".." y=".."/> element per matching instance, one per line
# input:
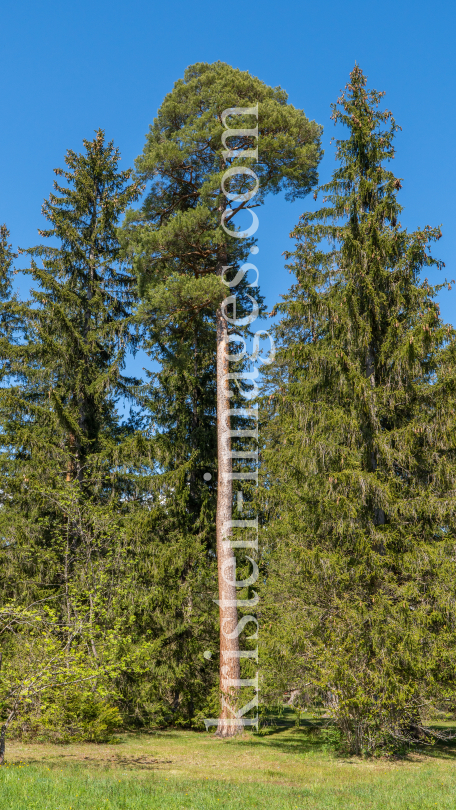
<point x="229" y="647"/>
<point x="2" y="744"/>
<point x="3" y="731"/>
<point x="195" y="425"/>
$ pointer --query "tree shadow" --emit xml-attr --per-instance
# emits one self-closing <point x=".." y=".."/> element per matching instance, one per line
<point x="317" y="736"/>
<point x="136" y="763"/>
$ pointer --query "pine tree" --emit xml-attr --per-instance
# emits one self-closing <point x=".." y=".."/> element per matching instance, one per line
<point x="360" y="459"/>
<point x="180" y="251"/>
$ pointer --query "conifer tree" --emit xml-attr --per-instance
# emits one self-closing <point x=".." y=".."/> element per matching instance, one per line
<point x="66" y="486"/>
<point x="178" y="405"/>
<point x="180" y="251"/>
<point x="91" y="521"/>
<point x="11" y="312"/>
<point x="78" y="328"/>
<point x="7" y="257"/>
<point x="82" y="321"/>
<point x="360" y="463"/>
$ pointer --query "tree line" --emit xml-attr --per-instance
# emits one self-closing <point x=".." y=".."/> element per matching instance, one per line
<point x="108" y="523"/>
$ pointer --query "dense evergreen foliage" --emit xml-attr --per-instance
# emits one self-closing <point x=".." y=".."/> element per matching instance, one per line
<point x="110" y="525"/>
<point x="181" y="253"/>
<point x="178" y="247"/>
<point x="359" y="454"/>
<point x="65" y="485"/>
<point x="84" y="518"/>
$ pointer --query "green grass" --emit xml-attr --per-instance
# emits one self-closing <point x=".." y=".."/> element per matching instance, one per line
<point x="286" y="770"/>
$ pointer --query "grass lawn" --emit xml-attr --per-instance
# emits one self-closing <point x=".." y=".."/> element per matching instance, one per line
<point x="284" y="770"/>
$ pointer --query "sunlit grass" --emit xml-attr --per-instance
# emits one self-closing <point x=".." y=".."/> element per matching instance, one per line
<point x="281" y="771"/>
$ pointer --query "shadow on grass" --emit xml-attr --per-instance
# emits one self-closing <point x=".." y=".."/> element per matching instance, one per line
<point x="134" y="763"/>
<point x="318" y="736"/>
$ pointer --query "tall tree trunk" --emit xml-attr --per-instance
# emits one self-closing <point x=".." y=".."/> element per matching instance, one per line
<point x="2" y="744"/>
<point x="5" y="726"/>
<point x="229" y="647"/>
<point x="195" y="424"/>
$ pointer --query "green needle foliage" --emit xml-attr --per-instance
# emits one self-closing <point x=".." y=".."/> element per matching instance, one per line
<point x="82" y="319"/>
<point x="359" y="456"/>
<point x="10" y="323"/>
<point x="179" y="250"/>
<point x="178" y="246"/>
<point x="90" y="523"/>
<point x="59" y="418"/>
<point x="68" y="483"/>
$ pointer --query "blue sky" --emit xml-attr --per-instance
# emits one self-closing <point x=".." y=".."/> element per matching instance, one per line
<point x="67" y="69"/>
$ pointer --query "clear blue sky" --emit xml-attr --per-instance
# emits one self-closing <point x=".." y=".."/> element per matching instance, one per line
<point x="69" y="68"/>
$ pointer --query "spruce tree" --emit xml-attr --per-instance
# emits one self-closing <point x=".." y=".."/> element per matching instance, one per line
<point x="178" y="406"/>
<point x="62" y="411"/>
<point x="359" y="456"/>
<point x="8" y="316"/>
<point x="12" y="317"/>
<point x="67" y="480"/>
<point x="180" y="251"/>
<point x="92" y="518"/>
<point x="82" y="321"/>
